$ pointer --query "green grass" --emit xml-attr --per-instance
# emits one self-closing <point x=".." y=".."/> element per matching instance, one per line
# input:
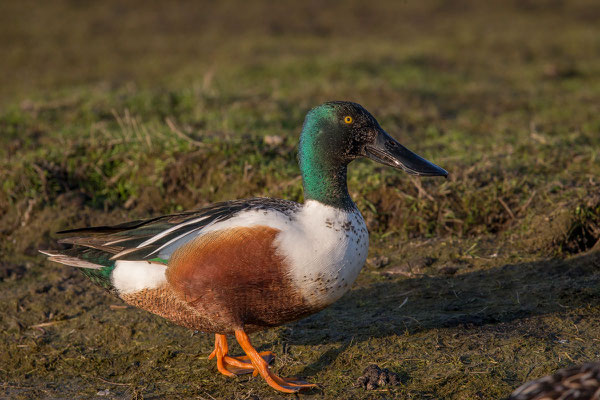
<point x="111" y="112"/>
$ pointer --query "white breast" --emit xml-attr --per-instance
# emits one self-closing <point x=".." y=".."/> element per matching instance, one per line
<point x="325" y="251"/>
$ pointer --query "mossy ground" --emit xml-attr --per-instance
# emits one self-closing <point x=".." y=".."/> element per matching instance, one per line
<point x="114" y="111"/>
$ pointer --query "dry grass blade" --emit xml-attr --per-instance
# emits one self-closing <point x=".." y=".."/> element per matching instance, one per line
<point x="182" y="135"/>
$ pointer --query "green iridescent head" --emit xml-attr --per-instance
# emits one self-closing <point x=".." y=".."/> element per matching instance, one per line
<point x="338" y="132"/>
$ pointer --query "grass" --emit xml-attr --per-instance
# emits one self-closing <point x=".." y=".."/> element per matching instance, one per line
<point x="111" y="112"/>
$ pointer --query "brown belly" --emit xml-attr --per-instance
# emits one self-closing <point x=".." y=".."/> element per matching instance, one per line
<point x="211" y="316"/>
<point x="226" y="280"/>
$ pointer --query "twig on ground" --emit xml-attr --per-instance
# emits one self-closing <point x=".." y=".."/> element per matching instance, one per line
<point x="528" y="202"/>
<point x="507" y="208"/>
<point x="113" y="383"/>
<point x="46" y="324"/>
<point x="403" y="303"/>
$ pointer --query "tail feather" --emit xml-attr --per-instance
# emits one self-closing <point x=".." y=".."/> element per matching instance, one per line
<point x="92" y="242"/>
<point x="126" y="226"/>
<point x="93" y="263"/>
<point x="56" y="256"/>
<point x="115" y="247"/>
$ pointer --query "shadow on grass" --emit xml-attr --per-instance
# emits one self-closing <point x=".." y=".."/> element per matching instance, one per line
<point x="499" y="295"/>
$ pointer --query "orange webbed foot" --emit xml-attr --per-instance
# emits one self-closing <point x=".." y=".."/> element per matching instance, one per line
<point x="286" y="385"/>
<point x="233" y="366"/>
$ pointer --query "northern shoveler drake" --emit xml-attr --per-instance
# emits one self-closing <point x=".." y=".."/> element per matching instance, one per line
<point x="242" y="266"/>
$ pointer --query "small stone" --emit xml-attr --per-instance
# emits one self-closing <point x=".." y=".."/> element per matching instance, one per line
<point x="422" y="262"/>
<point x="105" y="392"/>
<point x="27" y="105"/>
<point x="273" y="140"/>
<point x="403" y="270"/>
<point x="449" y="270"/>
<point x="378" y="262"/>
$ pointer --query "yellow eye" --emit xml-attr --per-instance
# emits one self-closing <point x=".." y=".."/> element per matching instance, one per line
<point x="348" y="119"/>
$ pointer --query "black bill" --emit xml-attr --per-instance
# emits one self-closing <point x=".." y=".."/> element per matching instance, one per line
<point x="386" y="150"/>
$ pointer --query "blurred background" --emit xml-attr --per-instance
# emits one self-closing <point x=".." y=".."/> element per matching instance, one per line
<point x="115" y="110"/>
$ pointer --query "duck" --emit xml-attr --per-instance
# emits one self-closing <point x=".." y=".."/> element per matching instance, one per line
<point x="242" y="266"/>
<point x="579" y="382"/>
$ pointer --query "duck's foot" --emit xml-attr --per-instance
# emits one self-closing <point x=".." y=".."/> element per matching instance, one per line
<point x="232" y="366"/>
<point x="261" y="366"/>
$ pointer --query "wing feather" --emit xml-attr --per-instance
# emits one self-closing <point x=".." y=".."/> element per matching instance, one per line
<point x="141" y="239"/>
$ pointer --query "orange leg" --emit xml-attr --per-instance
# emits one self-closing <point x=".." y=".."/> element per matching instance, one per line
<point x="232" y="366"/>
<point x="282" y="384"/>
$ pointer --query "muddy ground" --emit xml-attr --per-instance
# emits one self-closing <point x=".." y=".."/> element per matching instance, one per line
<point x="474" y="284"/>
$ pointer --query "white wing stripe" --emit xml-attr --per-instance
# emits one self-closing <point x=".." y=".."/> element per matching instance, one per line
<point x="166" y="232"/>
<point x="248" y="218"/>
<point x="174" y="240"/>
